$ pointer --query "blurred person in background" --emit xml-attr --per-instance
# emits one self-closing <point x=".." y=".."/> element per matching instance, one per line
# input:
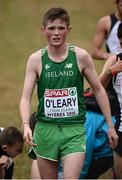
<point x="106" y="34"/>
<point x="11" y="145"/>
<point x="109" y="32"/>
<point x="114" y="72"/>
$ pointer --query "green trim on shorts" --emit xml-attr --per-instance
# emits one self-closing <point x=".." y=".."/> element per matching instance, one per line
<point x="55" y="141"/>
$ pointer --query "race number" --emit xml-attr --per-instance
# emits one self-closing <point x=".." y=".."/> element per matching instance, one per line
<point x="60" y="103"/>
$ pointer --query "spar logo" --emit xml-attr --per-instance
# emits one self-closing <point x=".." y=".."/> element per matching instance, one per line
<point x="60" y="92"/>
<point x="56" y="93"/>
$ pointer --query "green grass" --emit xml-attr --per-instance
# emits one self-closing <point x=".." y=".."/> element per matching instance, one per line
<point x="20" y="35"/>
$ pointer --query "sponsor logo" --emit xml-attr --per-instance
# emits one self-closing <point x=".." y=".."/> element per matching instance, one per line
<point x="56" y="93"/>
<point x="68" y="65"/>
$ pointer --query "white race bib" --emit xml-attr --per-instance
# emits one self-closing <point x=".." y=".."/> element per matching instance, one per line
<point x="60" y="103"/>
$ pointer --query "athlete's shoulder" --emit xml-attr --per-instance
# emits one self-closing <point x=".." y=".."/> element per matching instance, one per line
<point x="34" y="60"/>
<point x="104" y="19"/>
<point x="35" y="55"/>
<point x="104" y="23"/>
<point x="81" y="53"/>
<point x="83" y="58"/>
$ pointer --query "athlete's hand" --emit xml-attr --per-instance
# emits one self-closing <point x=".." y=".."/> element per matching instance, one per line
<point x="113" y="138"/>
<point x="117" y="67"/>
<point x="3" y="161"/>
<point x="28" y="135"/>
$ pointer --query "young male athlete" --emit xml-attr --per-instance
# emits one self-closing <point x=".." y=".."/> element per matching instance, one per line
<point x="59" y="70"/>
<point x="11" y="144"/>
<point x="109" y="71"/>
<point x="106" y="33"/>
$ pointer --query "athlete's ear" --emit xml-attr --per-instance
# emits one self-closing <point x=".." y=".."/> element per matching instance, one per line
<point x="4" y="147"/>
<point x="69" y="28"/>
<point x="42" y="29"/>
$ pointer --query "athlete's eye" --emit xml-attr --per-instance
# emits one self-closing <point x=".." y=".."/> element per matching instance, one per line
<point x="51" y="28"/>
<point x="61" y="28"/>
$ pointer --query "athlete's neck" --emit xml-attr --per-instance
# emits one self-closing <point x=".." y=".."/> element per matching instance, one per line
<point x="118" y="16"/>
<point x="58" y="54"/>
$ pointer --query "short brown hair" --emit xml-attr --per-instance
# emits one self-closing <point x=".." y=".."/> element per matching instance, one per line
<point x="10" y="136"/>
<point x="56" y="13"/>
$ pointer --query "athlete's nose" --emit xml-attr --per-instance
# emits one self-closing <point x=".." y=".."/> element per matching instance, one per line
<point x="56" y="31"/>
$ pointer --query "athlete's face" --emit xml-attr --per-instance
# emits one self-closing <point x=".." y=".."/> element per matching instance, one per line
<point x="56" y="32"/>
<point x="13" y="150"/>
<point x="119" y="6"/>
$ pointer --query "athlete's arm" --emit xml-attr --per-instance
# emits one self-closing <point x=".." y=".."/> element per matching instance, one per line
<point x="86" y="66"/>
<point x="32" y="73"/>
<point x="2" y="172"/>
<point x="3" y="165"/>
<point x="102" y="31"/>
<point x="110" y="68"/>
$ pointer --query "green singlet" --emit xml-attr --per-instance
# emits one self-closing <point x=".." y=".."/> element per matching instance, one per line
<point x="60" y="90"/>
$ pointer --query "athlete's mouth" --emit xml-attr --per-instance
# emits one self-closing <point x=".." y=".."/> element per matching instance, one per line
<point x="56" y="39"/>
